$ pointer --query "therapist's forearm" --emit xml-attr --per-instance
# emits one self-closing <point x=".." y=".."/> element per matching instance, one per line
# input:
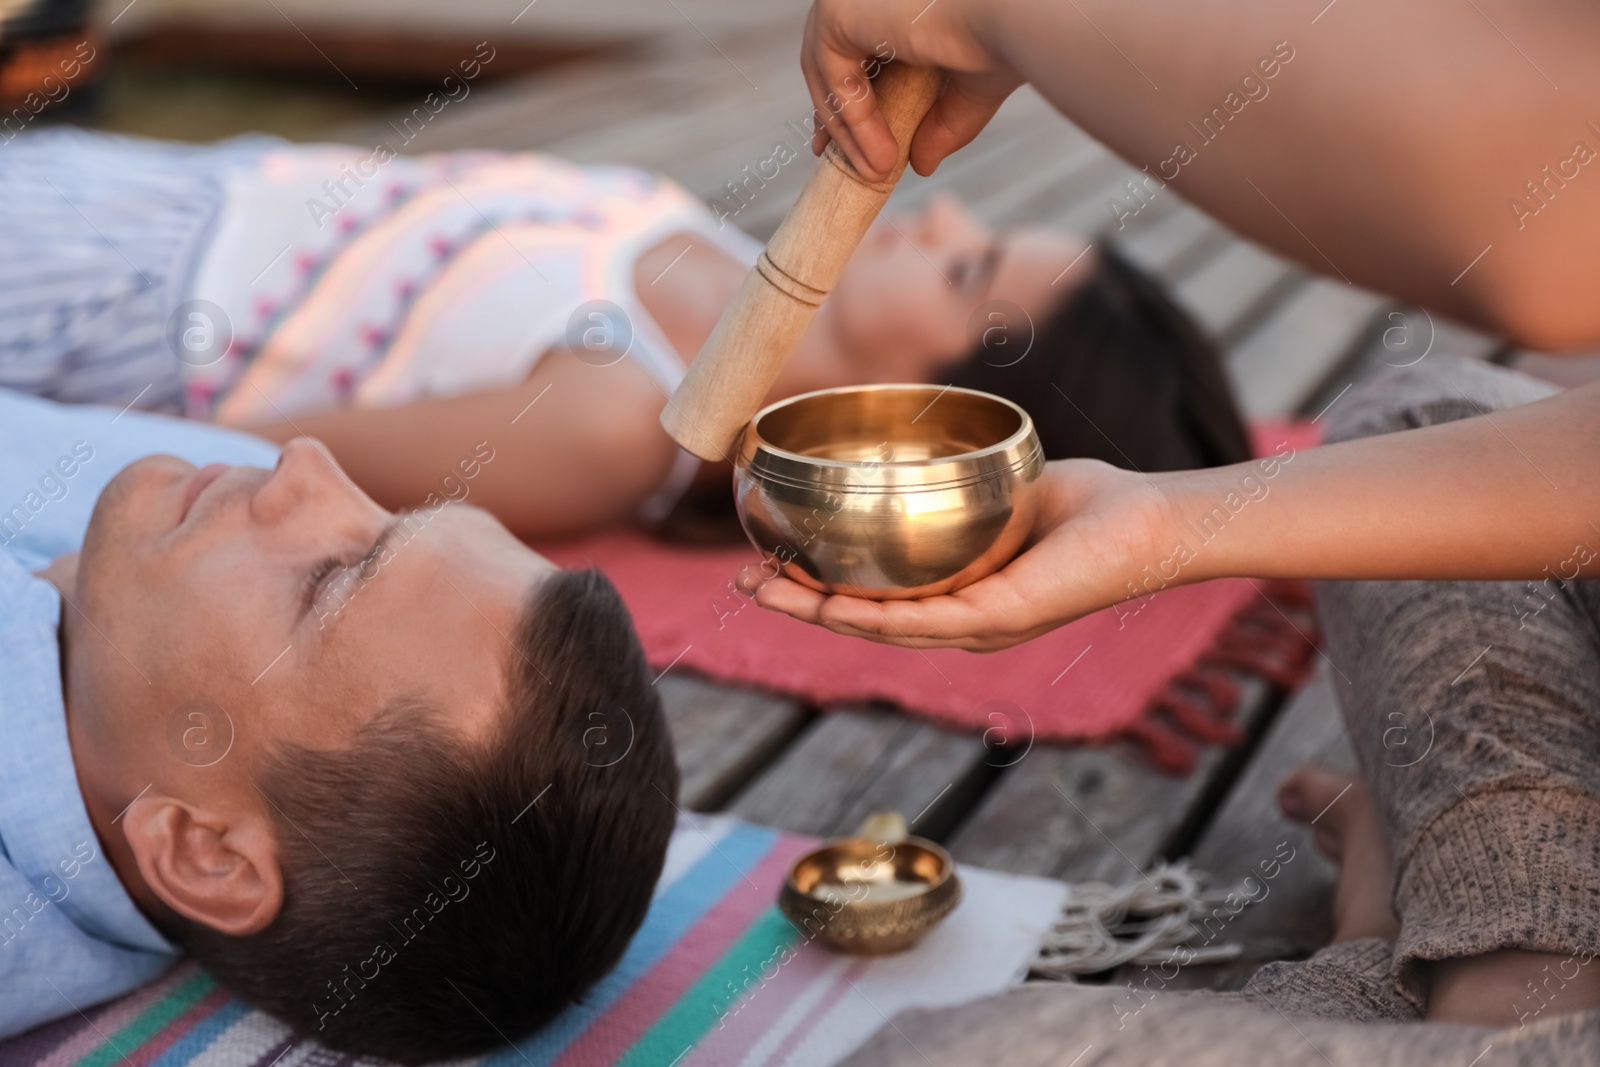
<point x="1513" y="494"/>
<point x="1389" y="150"/>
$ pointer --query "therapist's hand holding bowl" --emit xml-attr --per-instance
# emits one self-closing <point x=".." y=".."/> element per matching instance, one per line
<point x="1097" y="528"/>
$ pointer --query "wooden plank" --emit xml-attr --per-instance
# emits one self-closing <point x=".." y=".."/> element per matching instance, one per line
<point x="1093" y="211"/>
<point x="1567" y="371"/>
<point x="851" y="763"/>
<point x="747" y="135"/>
<point x="739" y="113"/>
<point x="345" y="53"/>
<point x="723" y="735"/>
<point x="1128" y="204"/>
<point x="1293" y="919"/>
<point x="549" y="20"/>
<point x="1076" y="200"/>
<point x="1094" y="814"/>
<point x="1003" y="186"/>
<point x="1299" y="346"/>
<point x="1078" y="814"/>
<point x="1234" y="287"/>
<point x="1401" y="337"/>
<point x="539" y="111"/>
<point x="704" y="139"/>
<point x="1174" y="245"/>
<point x="576" y="108"/>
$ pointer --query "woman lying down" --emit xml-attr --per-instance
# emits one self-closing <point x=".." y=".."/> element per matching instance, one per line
<point x="423" y="312"/>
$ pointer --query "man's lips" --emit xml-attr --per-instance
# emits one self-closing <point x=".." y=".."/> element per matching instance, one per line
<point x="197" y="485"/>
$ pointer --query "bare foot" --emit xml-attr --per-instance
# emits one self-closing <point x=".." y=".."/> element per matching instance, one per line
<point x="1340" y="811"/>
<point x="1494" y="989"/>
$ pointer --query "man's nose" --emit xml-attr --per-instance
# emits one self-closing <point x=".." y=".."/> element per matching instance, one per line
<point x="306" y="475"/>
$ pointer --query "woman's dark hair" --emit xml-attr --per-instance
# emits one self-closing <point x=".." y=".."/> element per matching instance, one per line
<point x="441" y="897"/>
<point x="1117" y="372"/>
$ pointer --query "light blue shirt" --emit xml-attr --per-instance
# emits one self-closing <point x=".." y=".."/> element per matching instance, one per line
<point x="70" y="936"/>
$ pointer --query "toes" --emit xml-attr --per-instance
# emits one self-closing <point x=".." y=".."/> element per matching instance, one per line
<point x="1323" y="799"/>
<point x="1311" y="792"/>
<point x="1344" y="823"/>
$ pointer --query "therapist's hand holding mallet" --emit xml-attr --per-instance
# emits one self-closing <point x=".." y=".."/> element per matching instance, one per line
<point x="1377" y="152"/>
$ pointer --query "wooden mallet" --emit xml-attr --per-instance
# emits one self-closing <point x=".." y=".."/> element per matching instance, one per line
<point x="729" y="380"/>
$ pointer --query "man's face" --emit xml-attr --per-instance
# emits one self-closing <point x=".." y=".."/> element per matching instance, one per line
<point x="219" y="611"/>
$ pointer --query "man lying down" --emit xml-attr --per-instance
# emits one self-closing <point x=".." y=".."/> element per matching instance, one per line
<point x="385" y="822"/>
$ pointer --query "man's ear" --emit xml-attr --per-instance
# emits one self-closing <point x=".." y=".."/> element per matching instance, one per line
<point x="219" y="872"/>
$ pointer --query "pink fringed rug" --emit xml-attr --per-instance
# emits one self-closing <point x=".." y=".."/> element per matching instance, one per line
<point x="1162" y="671"/>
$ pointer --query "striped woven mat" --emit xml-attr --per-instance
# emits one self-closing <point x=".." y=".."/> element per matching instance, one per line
<point x="716" y="976"/>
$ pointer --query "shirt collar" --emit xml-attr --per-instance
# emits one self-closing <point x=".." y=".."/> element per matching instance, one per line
<point x="45" y="830"/>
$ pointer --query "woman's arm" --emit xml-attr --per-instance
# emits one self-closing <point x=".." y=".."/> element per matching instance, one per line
<point x="1504" y="495"/>
<point x="1392" y="145"/>
<point x="573" y="448"/>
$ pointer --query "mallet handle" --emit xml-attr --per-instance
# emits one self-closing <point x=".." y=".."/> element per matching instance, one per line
<point x="731" y="377"/>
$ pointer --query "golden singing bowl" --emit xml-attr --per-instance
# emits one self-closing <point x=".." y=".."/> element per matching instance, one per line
<point x="870" y="897"/>
<point x="889" y="491"/>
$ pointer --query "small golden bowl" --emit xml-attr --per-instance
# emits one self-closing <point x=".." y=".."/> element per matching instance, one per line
<point x="870" y="897"/>
<point x="889" y="491"/>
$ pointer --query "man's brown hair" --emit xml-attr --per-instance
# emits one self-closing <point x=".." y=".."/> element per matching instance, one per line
<point x="441" y="898"/>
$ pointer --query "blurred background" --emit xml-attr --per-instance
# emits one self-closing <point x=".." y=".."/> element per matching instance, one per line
<point x="706" y="91"/>
<point x="206" y="69"/>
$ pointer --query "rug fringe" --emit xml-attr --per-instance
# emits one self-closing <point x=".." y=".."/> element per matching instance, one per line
<point x="1271" y="638"/>
<point x="1102" y="927"/>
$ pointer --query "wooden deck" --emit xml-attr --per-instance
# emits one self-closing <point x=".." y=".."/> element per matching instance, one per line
<point x="704" y="101"/>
